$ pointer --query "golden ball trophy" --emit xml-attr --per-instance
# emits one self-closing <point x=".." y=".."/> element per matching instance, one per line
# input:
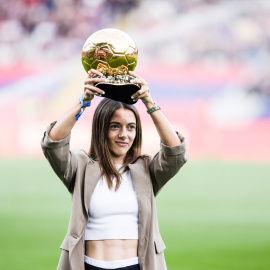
<point x="113" y="53"/>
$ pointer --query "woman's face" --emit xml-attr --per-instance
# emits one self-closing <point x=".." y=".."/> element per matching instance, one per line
<point x="122" y="132"/>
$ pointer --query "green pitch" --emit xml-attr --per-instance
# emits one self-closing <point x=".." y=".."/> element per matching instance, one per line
<point x="213" y="216"/>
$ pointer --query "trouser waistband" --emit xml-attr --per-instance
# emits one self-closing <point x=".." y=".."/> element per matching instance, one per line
<point x="111" y="264"/>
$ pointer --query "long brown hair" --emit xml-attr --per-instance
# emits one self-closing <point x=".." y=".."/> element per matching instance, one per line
<point x="99" y="149"/>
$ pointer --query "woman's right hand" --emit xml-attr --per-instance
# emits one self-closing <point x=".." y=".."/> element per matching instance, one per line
<point x="90" y="90"/>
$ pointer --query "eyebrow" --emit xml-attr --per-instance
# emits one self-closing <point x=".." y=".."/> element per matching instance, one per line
<point x="114" y="122"/>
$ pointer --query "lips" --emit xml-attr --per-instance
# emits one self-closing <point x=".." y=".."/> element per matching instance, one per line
<point x="122" y="144"/>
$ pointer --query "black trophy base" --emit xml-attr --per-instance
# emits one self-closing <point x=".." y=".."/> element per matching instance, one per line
<point x="119" y="92"/>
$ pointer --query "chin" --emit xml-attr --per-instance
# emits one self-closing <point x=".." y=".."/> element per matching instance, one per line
<point x="119" y="153"/>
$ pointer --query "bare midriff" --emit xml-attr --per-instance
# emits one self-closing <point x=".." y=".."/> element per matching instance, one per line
<point x="111" y="249"/>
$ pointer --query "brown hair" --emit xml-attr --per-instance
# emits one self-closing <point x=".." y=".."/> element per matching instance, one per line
<point x="99" y="149"/>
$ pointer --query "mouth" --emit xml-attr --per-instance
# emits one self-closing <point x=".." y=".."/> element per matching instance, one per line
<point x="122" y="144"/>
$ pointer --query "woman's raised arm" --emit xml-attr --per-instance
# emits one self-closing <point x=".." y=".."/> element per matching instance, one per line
<point x="164" y="128"/>
<point x="67" y="121"/>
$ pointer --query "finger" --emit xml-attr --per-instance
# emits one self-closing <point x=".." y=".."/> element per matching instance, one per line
<point x="139" y="81"/>
<point x="140" y="92"/>
<point x="90" y="94"/>
<point x="93" y="92"/>
<point x="142" y="96"/>
<point x="94" y="89"/>
<point x="94" y="80"/>
<point x="94" y="71"/>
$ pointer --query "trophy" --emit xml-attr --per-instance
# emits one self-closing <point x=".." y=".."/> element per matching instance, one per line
<point x="113" y="53"/>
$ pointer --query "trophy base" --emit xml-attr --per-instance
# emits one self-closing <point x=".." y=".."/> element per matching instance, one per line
<point x="119" y="92"/>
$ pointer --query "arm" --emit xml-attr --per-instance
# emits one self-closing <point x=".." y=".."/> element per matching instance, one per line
<point x="62" y="160"/>
<point x="56" y="140"/>
<point x="64" y="125"/>
<point x="164" y="128"/>
<point x="172" y="155"/>
<point x="167" y="163"/>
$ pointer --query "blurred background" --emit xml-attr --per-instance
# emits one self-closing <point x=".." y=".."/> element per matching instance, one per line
<point x="207" y="64"/>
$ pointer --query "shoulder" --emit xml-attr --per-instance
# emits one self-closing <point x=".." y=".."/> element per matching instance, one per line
<point x="142" y="163"/>
<point x="144" y="159"/>
<point x="82" y="156"/>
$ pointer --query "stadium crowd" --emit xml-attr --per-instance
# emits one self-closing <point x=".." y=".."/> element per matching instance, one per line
<point x="174" y="32"/>
<point x="48" y="30"/>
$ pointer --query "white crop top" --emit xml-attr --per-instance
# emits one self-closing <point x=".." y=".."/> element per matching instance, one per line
<point x="113" y="215"/>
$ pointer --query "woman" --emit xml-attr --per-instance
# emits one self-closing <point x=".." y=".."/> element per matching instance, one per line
<point x="113" y="223"/>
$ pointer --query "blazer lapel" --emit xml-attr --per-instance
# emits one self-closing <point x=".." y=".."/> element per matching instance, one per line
<point x="76" y="243"/>
<point x="143" y="188"/>
<point x="92" y="175"/>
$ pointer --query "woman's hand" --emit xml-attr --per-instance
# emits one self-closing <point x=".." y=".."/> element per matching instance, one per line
<point x="144" y="92"/>
<point x="90" y="90"/>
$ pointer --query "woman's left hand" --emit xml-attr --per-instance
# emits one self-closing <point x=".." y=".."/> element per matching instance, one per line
<point x="144" y="92"/>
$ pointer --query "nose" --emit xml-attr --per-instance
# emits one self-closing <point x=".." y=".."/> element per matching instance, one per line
<point x="122" y="133"/>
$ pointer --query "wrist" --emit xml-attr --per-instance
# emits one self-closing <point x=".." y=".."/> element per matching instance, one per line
<point x="83" y="106"/>
<point x="149" y="104"/>
<point x="153" y="108"/>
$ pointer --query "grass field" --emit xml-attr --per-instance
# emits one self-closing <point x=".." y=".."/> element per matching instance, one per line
<point x="213" y="216"/>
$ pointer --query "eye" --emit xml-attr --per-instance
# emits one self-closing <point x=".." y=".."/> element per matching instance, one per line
<point x="132" y="127"/>
<point x="114" y="126"/>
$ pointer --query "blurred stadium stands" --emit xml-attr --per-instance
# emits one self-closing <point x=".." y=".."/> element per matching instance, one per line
<point x="207" y="63"/>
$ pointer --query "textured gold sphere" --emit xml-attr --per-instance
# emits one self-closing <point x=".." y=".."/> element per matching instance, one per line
<point x="111" y="51"/>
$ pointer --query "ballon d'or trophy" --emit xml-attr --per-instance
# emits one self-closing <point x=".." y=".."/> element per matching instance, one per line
<point x="113" y="53"/>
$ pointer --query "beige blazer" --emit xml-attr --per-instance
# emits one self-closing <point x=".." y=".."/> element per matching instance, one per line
<point x="80" y="175"/>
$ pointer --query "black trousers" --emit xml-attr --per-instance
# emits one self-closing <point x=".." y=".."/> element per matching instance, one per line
<point x="131" y="267"/>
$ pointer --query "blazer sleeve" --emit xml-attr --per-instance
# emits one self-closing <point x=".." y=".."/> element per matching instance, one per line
<point x="62" y="160"/>
<point x="166" y="163"/>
